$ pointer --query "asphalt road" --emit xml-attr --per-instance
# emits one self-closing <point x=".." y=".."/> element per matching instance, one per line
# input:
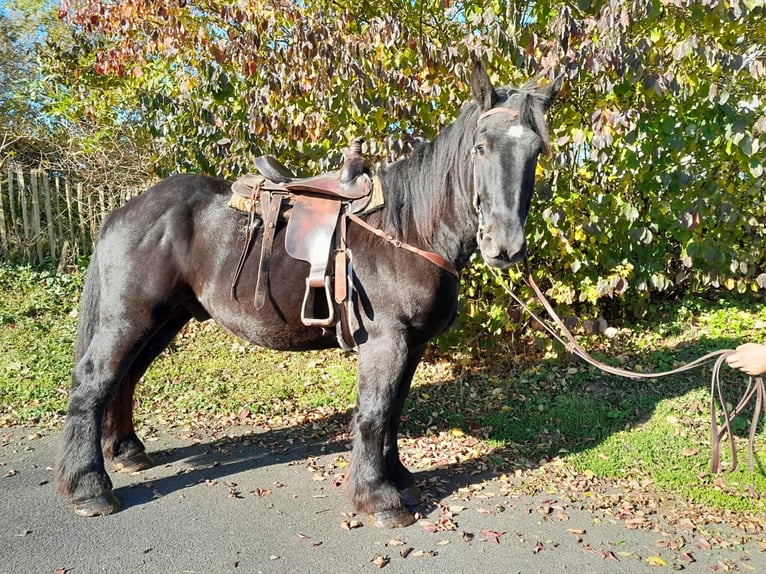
<point x="271" y="503"/>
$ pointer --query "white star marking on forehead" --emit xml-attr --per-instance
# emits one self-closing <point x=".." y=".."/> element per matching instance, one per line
<point x="516" y="131"/>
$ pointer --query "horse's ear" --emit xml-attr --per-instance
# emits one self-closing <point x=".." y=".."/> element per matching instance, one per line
<point x="481" y="87"/>
<point x="548" y="92"/>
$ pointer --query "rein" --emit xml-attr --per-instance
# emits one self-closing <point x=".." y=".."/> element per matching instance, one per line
<point x="755" y="385"/>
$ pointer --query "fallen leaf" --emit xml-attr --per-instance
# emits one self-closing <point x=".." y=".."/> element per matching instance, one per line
<point x="351" y="524"/>
<point x="380" y="561"/>
<point x="492" y="534"/>
<point x="395" y="542"/>
<point x="656" y="561"/>
<point x="466" y="536"/>
<point x="429" y="527"/>
<point x="404" y="552"/>
<point x="608" y="554"/>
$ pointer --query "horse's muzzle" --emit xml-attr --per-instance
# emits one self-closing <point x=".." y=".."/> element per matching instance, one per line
<point x="502" y="257"/>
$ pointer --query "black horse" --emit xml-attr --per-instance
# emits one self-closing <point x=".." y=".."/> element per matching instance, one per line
<point x="169" y="255"/>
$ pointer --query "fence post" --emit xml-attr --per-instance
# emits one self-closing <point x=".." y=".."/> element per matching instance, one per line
<point x="59" y="215"/>
<point x="92" y="217"/>
<point x="49" y="214"/>
<point x="81" y="216"/>
<point x="70" y="218"/>
<point x="36" y="223"/>
<point x="3" y="231"/>
<point x="11" y="203"/>
<point x="24" y="215"/>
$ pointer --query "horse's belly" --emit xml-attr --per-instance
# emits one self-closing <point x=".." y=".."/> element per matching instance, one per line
<point x="267" y="329"/>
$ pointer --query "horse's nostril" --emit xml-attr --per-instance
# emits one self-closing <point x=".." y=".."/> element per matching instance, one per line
<point x="489" y="248"/>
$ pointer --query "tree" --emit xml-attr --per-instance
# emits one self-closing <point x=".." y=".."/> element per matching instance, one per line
<point x="656" y="182"/>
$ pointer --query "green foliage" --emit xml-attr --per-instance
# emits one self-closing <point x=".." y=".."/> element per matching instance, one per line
<point x="37" y="330"/>
<point x="655" y="187"/>
<point x="662" y="189"/>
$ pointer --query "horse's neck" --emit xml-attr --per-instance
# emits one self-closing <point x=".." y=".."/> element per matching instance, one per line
<point x="431" y="199"/>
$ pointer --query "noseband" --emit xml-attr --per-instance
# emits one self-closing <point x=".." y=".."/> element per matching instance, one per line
<point x="476" y="201"/>
<point x="492" y="111"/>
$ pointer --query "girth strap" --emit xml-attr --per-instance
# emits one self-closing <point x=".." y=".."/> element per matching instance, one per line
<point x="250" y="202"/>
<point x="270" y="204"/>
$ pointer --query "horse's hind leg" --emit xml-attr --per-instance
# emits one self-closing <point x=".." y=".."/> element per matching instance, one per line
<point x="80" y="471"/>
<point x="111" y="353"/>
<point x="119" y="441"/>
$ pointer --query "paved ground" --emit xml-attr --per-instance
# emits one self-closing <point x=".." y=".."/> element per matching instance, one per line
<point x="269" y="503"/>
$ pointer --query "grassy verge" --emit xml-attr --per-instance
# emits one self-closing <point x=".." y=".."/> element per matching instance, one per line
<point x="536" y="414"/>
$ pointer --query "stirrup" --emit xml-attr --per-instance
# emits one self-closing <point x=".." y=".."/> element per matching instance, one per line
<point x="318" y="321"/>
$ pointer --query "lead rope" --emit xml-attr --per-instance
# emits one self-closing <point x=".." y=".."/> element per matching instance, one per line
<point x="755" y="386"/>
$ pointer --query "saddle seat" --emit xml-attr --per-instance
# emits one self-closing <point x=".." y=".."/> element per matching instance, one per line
<point x="330" y="184"/>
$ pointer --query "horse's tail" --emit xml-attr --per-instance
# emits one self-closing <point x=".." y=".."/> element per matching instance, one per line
<point x="90" y="300"/>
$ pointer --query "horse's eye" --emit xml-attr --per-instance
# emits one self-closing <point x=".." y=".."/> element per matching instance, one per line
<point x="479" y="149"/>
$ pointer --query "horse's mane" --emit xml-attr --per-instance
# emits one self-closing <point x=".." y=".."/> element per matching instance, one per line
<point x="419" y="188"/>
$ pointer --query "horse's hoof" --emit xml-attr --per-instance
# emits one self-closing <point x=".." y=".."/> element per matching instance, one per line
<point x="395" y="518"/>
<point x="102" y="505"/>
<point x="132" y="463"/>
<point x="410" y="495"/>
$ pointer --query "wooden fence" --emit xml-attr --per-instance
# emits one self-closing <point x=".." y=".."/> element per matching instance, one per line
<point x="46" y="215"/>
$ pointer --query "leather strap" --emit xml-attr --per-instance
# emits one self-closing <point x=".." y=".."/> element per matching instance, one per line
<point x="500" y="110"/>
<point x="341" y="264"/>
<point x="434" y="258"/>
<point x="755" y="386"/>
<point x="249" y="203"/>
<point x="270" y="204"/>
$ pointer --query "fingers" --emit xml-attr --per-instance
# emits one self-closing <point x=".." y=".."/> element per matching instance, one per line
<point x="749" y="358"/>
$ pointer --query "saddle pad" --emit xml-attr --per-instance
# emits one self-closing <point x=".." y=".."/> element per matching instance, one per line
<point x="310" y="230"/>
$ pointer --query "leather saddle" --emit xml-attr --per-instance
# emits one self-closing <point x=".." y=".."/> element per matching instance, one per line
<point x="315" y="209"/>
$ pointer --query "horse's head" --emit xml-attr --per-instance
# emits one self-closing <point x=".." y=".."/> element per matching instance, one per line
<point x="510" y="135"/>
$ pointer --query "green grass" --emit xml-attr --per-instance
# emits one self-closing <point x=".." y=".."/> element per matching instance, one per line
<point x="526" y="404"/>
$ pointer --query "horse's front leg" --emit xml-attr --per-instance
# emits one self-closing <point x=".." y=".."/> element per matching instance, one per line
<point x="397" y="472"/>
<point x="382" y="365"/>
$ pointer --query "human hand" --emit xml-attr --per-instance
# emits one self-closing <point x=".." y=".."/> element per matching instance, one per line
<point x="749" y="358"/>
